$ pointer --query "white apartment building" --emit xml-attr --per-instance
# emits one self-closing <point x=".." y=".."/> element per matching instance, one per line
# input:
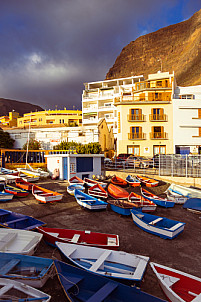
<point x="98" y="100"/>
<point x="187" y="119"/>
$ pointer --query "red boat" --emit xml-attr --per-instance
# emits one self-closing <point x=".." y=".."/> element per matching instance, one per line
<point x="91" y="182"/>
<point x="115" y="180"/>
<point x="117" y="192"/>
<point x="97" y="191"/>
<point x="16" y="191"/>
<point x="142" y="203"/>
<point x="75" y="180"/>
<point x="23" y="184"/>
<point x="149" y="182"/>
<point x="107" y="241"/>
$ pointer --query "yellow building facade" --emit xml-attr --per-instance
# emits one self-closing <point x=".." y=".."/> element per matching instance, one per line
<point x="51" y="117"/>
<point x="145" y="117"/>
<point x="10" y="120"/>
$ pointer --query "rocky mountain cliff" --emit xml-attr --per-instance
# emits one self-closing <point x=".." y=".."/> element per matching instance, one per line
<point x="177" y="46"/>
<point x="7" y="106"/>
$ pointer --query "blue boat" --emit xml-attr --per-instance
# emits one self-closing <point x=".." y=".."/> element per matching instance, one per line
<point x="160" y="226"/>
<point x="88" y="201"/>
<point x="193" y="205"/>
<point x="121" y="206"/>
<point x="133" y="181"/>
<point x="12" y="220"/>
<point x="33" y="271"/>
<point x="163" y="202"/>
<point x="80" y="285"/>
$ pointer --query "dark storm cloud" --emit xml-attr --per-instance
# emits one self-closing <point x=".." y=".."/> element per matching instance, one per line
<point x="49" y="48"/>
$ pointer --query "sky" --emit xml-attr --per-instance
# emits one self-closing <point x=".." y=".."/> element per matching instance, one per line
<point x="49" y="48"/>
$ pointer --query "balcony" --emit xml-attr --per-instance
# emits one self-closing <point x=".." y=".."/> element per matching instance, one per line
<point x="136" y="136"/>
<point x="158" y="117"/>
<point x="136" y="118"/>
<point x="158" y="135"/>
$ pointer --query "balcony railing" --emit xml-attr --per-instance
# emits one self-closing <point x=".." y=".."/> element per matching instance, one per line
<point x="136" y="136"/>
<point x="158" y="135"/>
<point x="158" y="117"/>
<point x="136" y="117"/>
<point x="128" y="98"/>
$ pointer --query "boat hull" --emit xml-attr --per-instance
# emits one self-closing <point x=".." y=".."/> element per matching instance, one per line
<point x="89" y="202"/>
<point x="159" y="201"/>
<point x="117" y="192"/>
<point x="118" y="181"/>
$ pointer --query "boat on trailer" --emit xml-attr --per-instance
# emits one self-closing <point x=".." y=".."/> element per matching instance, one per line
<point x="141" y="203"/>
<point x="117" y="192"/>
<point x="89" y="202"/>
<point x="163" y="202"/>
<point x="44" y="195"/>
<point x="160" y="226"/>
<point x="81" y="285"/>
<point x="13" y="220"/>
<point x="86" y="238"/>
<point x="11" y="290"/>
<point x="30" y="270"/>
<point x="133" y="181"/>
<point x="98" y="191"/>
<point x="113" y="264"/>
<point x="19" y="241"/>
<point x="115" y="180"/>
<point x="149" y="182"/>
<point x="177" y="286"/>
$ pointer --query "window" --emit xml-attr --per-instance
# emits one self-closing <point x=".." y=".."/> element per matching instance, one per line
<point x="135" y="114"/>
<point x="157" y="114"/>
<point x="133" y="150"/>
<point x="84" y="164"/>
<point x="135" y="132"/>
<point x="186" y="96"/>
<point x="159" y="149"/>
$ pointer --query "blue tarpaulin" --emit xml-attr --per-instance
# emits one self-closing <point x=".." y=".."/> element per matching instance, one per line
<point x="193" y="203"/>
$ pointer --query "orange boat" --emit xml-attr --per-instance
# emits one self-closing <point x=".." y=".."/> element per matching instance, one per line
<point x="149" y="182"/>
<point x="117" y="192"/>
<point x="23" y="184"/>
<point x="118" y="181"/>
<point x="142" y="203"/>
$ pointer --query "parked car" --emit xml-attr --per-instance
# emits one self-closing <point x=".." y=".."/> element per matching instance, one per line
<point x="123" y="156"/>
<point x="139" y="161"/>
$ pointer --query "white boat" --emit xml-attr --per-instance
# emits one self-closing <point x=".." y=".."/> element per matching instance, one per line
<point x="44" y="195"/>
<point x="36" y="172"/>
<point x="19" y="241"/>
<point x="178" y="286"/>
<point x="176" y="198"/>
<point x="11" y="290"/>
<point x="71" y="188"/>
<point x="185" y="191"/>
<point x="114" y="264"/>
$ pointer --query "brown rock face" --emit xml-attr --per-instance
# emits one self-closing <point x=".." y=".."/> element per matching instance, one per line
<point x="178" y="46"/>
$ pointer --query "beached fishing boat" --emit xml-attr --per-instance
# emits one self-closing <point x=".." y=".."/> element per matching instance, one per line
<point x="91" y="182"/>
<point x="95" y="288"/>
<point x="163" y="202"/>
<point x="28" y="170"/>
<point x="160" y="226"/>
<point x="75" y="180"/>
<point x="121" y="206"/>
<point x="149" y="182"/>
<point x="71" y="188"/>
<point x="19" y="241"/>
<point x="11" y="290"/>
<point x="115" y="180"/>
<point x="88" y="238"/>
<point x="133" y="181"/>
<point x="113" y="264"/>
<point x="3" y="195"/>
<point x="30" y="270"/>
<point x="8" y="171"/>
<point x="141" y="203"/>
<point x="89" y="202"/>
<point x="17" y="192"/>
<point x="44" y="195"/>
<point x="193" y="205"/>
<point x="185" y="191"/>
<point x="117" y="192"/>
<point x="98" y="191"/>
<point x="177" y="286"/>
<point x="12" y="220"/>
<point x="175" y="197"/>
<point x="23" y="184"/>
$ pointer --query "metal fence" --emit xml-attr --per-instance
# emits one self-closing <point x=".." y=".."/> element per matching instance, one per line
<point x="164" y="165"/>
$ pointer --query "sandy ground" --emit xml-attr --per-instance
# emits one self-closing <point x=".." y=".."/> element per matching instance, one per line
<point x="183" y="252"/>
